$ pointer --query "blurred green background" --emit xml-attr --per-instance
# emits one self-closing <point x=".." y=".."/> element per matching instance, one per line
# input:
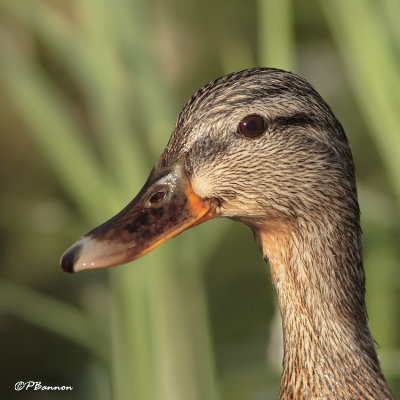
<point x="89" y="93"/>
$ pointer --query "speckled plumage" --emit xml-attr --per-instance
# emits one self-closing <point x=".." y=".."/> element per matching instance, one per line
<point x="295" y="187"/>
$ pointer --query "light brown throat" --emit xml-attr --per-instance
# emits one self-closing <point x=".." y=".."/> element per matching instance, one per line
<point x="328" y="349"/>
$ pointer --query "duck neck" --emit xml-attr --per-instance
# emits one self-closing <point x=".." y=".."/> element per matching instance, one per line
<point x="320" y="284"/>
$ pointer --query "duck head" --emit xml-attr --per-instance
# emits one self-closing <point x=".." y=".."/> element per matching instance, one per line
<point x="259" y="146"/>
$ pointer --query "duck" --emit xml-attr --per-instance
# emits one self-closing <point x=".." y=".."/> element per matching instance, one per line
<point x="261" y="146"/>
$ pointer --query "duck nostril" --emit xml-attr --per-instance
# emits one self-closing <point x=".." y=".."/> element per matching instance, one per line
<point x="157" y="197"/>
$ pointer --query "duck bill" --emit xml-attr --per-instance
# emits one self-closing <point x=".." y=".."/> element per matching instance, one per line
<point x="165" y="207"/>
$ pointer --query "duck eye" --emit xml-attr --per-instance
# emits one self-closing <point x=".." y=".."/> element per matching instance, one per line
<point x="252" y="126"/>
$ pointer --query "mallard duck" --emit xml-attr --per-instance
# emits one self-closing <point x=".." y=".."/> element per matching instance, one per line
<point x="262" y="147"/>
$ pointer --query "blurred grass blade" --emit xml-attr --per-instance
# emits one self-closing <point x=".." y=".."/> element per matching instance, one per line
<point x="52" y="126"/>
<point x="156" y="109"/>
<point x="109" y="103"/>
<point x="374" y="71"/>
<point x="55" y="316"/>
<point x="392" y="12"/>
<point x="133" y="369"/>
<point x="275" y="34"/>
<point x="179" y="316"/>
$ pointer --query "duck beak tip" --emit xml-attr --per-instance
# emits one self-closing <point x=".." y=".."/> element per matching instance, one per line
<point x="70" y="257"/>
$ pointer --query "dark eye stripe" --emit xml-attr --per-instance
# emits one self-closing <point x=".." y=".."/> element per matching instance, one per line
<point x="252" y="126"/>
